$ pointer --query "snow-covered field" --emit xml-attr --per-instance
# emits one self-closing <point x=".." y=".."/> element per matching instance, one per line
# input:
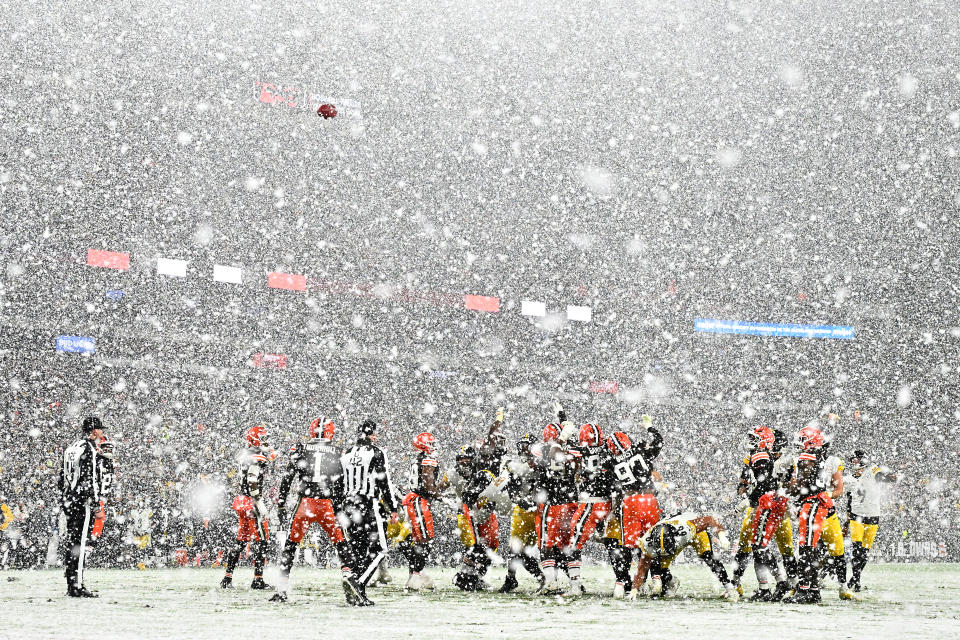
<point x="913" y="601"/>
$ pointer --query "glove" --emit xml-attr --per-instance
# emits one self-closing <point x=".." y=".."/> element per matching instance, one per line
<point x="743" y="505"/>
<point x="646" y="421"/>
<point x="500" y="414"/>
<point x="723" y="541"/>
<point x="566" y="432"/>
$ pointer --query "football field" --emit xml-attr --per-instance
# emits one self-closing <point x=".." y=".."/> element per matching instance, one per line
<point x="912" y="601"/>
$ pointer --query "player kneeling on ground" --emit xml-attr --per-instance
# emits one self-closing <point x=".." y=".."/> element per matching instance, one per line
<point x="664" y="542"/>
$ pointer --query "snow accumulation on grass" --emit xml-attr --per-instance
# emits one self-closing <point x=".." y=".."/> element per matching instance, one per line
<point x="911" y="601"/>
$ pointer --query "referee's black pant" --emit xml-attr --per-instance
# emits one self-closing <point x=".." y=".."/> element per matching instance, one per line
<point x="366" y="531"/>
<point x="80" y="517"/>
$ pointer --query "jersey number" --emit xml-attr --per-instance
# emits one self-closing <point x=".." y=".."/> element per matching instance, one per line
<point x="624" y="470"/>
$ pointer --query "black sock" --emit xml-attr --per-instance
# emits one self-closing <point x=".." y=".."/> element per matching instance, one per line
<point x="531" y="565"/>
<point x="840" y="569"/>
<point x="259" y="558"/>
<point x="742" y="559"/>
<point x="234" y="556"/>
<point x="716" y="567"/>
<point x="790" y="564"/>
<point x="860" y="554"/>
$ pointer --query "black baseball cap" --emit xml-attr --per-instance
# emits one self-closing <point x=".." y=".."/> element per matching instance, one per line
<point x="91" y="424"/>
<point x="367" y="427"/>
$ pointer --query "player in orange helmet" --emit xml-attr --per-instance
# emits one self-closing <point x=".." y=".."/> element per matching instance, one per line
<point x="250" y="508"/>
<point x="556" y="480"/>
<point x="598" y="485"/>
<point x="426" y="485"/>
<point x="639" y="509"/>
<point x="817" y="517"/>
<point x="315" y="464"/>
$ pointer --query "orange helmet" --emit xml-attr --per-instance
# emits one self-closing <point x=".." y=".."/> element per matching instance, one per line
<point x="591" y="435"/>
<point x="551" y="432"/>
<point x="256" y="435"/>
<point x="809" y="438"/>
<point x="761" y="438"/>
<point x="322" y="428"/>
<point x="424" y="442"/>
<point x="619" y="443"/>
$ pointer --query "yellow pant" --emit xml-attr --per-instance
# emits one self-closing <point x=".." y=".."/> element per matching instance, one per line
<point x="523" y="529"/>
<point x="863" y="533"/>
<point x="467" y="537"/>
<point x="832" y="535"/>
<point x="746" y="531"/>
<point x="701" y="543"/>
<point x="612" y="530"/>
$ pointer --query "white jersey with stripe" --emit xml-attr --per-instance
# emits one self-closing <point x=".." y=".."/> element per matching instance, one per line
<point x="868" y="495"/>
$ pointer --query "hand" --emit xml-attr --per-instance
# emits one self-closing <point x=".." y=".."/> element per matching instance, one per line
<point x="723" y="541"/>
<point x="743" y="505"/>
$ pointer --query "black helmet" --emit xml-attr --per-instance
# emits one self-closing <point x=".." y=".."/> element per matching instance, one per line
<point x="467" y="452"/>
<point x="524" y="443"/>
<point x="664" y="537"/>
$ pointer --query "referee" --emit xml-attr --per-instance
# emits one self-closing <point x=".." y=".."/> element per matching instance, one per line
<point x="79" y="490"/>
<point x="366" y="482"/>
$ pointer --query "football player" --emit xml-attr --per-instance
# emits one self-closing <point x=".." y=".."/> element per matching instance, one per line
<point x="519" y="474"/>
<point x="866" y="495"/>
<point x="477" y="519"/>
<point x="638" y="510"/>
<point x="426" y="484"/>
<point x="250" y="508"/>
<point x="556" y="483"/>
<point x="817" y="516"/>
<point x="598" y="486"/>
<point x="836" y="560"/>
<point x="660" y="546"/>
<point x="316" y="465"/>
<point x="769" y="513"/>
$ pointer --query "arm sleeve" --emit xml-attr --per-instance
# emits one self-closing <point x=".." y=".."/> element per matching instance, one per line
<point x="287" y="480"/>
<point x="384" y="486"/>
<point x="254" y="473"/>
<point x="652" y="450"/>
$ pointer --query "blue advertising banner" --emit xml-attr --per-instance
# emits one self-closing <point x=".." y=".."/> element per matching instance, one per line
<point x="75" y="344"/>
<point x="115" y="295"/>
<point x="737" y="327"/>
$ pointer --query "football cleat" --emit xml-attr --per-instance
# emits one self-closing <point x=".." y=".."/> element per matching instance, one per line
<point x="730" y="594"/>
<point x="761" y="595"/>
<point x="656" y="586"/>
<point x="414" y="582"/>
<point x="352" y="590"/>
<point x="226" y="583"/>
<point x="260" y="585"/>
<point x="509" y="584"/>
<point x="549" y="588"/>
<point x="279" y="596"/>
<point x="576" y="589"/>
<point x="427" y="581"/>
<point x="847" y="594"/>
<point x="618" y="591"/>
<point x="670" y="589"/>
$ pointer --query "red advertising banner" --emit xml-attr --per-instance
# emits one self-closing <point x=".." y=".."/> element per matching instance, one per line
<point x="489" y="304"/>
<point x="108" y="259"/>
<point x="604" y="386"/>
<point x="269" y="361"/>
<point x="290" y="281"/>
